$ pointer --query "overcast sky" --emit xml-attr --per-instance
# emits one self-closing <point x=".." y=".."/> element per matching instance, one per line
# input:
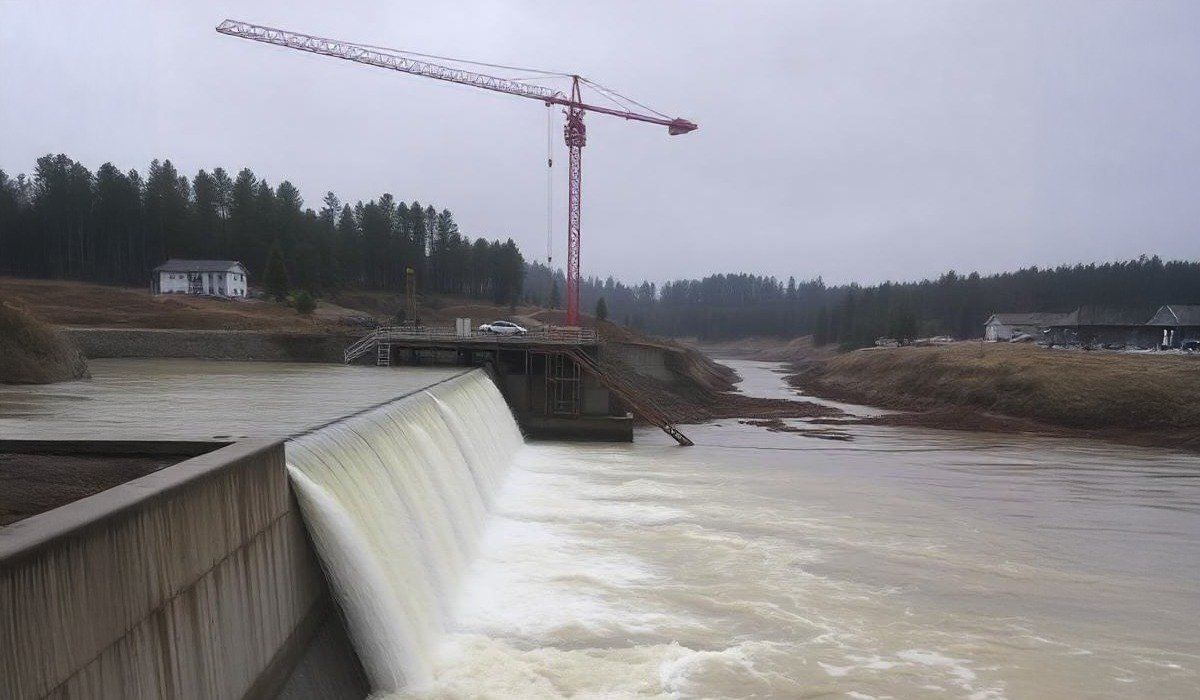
<point x="854" y="140"/>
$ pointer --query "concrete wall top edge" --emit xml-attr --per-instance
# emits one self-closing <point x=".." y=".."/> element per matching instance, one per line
<point x="381" y="404"/>
<point x="192" y="448"/>
<point x="29" y="536"/>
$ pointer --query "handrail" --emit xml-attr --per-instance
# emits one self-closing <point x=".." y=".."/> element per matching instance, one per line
<point x="556" y="335"/>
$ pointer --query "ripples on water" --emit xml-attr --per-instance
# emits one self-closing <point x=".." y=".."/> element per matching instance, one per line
<point x="904" y="564"/>
<point x="197" y="399"/>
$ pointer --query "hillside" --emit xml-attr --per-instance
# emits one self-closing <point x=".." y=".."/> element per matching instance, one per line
<point x="33" y="353"/>
<point x="68" y="303"/>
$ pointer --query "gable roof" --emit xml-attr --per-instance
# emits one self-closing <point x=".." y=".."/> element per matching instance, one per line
<point x="1176" y="315"/>
<point x="183" y="265"/>
<point x="1107" y="316"/>
<point x="1039" y="318"/>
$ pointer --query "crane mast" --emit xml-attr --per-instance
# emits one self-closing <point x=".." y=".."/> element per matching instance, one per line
<point x="574" y="131"/>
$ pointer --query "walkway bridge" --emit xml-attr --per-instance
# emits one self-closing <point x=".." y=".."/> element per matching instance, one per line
<point x="433" y="337"/>
<point x="570" y="403"/>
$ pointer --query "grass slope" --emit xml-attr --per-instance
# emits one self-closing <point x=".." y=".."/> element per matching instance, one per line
<point x="1066" y="388"/>
<point x="68" y="303"/>
<point x="33" y="353"/>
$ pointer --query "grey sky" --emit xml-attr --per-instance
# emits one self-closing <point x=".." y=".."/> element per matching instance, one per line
<point x="854" y="140"/>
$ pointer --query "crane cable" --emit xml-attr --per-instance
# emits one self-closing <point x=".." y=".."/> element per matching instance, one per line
<point x="549" y="184"/>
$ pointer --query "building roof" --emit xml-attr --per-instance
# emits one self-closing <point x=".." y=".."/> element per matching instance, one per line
<point x="1176" y="315"/>
<point x="1107" y="316"/>
<point x="1040" y="319"/>
<point x="182" y="265"/>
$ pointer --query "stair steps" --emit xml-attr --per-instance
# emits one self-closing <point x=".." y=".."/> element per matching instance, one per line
<point x="641" y="405"/>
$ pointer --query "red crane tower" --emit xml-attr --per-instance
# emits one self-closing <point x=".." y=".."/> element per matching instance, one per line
<point x="574" y="131"/>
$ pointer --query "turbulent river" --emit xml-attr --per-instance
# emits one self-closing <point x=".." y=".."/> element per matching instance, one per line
<point x="901" y="563"/>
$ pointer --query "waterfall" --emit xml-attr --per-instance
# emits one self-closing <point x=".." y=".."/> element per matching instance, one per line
<point x="395" y="499"/>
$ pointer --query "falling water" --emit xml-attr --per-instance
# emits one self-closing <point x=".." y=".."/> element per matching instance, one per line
<point x="395" y="500"/>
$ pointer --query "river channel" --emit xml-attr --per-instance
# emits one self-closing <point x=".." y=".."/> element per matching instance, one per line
<point x="901" y="563"/>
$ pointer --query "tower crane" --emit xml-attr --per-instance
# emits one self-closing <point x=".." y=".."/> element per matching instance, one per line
<point x="574" y="132"/>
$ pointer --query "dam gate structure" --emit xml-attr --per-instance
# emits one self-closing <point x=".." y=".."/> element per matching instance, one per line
<point x="304" y="567"/>
<point x="551" y="377"/>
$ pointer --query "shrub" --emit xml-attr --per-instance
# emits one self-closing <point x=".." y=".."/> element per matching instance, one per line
<point x="305" y="303"/>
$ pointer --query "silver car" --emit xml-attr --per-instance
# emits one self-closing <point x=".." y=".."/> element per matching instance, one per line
<point x="503" y="328"/>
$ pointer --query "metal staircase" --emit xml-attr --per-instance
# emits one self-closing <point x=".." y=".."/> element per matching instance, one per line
<point x="360" y="347"/>
<point x="643" y="406"/>
<point x="383" y="356"/>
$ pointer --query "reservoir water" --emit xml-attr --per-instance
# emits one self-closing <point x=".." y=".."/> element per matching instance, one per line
<point x="901" y="564"/>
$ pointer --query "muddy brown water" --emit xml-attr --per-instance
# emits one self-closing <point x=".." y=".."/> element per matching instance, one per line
<point x="904" y="563"/>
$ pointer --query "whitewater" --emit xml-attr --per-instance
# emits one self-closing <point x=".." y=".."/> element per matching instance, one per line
<point x="902" y="564"/>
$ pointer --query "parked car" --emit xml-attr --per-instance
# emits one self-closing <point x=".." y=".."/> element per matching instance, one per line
<point x="503" y="328"/>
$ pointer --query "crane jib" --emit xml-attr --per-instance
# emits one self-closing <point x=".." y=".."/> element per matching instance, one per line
<point x="574" y="132"/>
<point x="381" y="59"/>
<point x="362" y="54"/>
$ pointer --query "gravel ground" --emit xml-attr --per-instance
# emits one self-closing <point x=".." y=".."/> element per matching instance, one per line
<point x="35" y="483"/>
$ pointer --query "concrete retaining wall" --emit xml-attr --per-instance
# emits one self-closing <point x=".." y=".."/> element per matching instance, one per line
<point x="648" y="360"/>
<point x="210" y="345"/>
<point x="197" y="581"/>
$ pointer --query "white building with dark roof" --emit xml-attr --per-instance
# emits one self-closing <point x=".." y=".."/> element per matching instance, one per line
<point x="217" y="278"/>
<point x="1003" y="327"/>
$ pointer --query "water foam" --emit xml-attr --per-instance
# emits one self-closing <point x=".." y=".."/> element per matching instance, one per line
<point x="395" y="500"/>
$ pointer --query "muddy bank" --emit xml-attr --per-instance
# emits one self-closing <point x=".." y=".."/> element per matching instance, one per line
<point x="274" y="346"/>
<point x="763" y="349"/>
<point x="699" y="389"/>
<point x="32" y="352"/>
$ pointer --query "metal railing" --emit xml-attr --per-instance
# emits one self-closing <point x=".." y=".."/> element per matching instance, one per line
<point x="544" y="335"/>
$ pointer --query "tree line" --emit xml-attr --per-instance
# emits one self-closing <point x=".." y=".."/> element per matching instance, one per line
<point x="114" y="227"/>
<point x="111" y="226"/>
<point x="727" y="306"/>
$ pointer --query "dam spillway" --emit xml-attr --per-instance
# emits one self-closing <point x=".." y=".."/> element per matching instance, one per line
<point x="395" y="500"/>
<point x="202" y="579"/>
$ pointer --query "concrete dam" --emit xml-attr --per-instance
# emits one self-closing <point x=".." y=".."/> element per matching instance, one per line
<point x="319" y="566"/>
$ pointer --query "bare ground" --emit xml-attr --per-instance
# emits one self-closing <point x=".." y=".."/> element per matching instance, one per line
<point x="34" y="483"/>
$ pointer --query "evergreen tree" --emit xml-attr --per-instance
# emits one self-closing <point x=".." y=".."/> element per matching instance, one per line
<point x="305" y="303"/>
<point x="349" y="244"/>
<point x="115" y="227"/>
<point x="276" y="278"/>
<point x="601" y="309"/>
